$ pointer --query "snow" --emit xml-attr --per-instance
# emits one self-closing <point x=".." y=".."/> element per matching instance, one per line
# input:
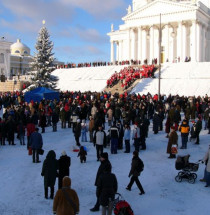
<point x="187" y="79"/>
<point x="22" y="190"/>
<point x="21" y="184"/>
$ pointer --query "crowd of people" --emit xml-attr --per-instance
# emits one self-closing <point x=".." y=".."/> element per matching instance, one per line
<point x="128" y="118"/>
<point x="129" y="74"/>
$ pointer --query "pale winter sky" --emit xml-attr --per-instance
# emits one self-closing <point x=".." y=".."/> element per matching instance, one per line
<point x="78" y="28"/>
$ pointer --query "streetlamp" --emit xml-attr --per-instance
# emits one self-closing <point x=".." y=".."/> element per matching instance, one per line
<point x="160" y="49"/>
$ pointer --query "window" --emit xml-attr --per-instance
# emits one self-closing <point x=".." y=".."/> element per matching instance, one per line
<point x="25" y="52"/>
<point x="1" y="58"/>
<point x="17" y="51"/>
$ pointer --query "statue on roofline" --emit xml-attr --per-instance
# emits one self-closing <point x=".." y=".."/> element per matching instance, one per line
<point x="129" y="9"/>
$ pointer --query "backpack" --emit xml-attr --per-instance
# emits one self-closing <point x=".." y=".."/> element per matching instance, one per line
<point x="123" y="208"/>
<point x="140" y="166"/>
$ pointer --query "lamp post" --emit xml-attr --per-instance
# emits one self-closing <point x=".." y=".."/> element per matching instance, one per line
<point x="160" y="28"/>
<point x="159" y="76"/>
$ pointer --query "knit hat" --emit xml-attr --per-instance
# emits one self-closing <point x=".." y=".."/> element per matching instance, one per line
<point x="104" y="155"/>
<point x="66" y="181"/>
<point x="63" y="153"/>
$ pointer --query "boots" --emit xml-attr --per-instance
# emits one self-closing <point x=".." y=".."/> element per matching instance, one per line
<point x="51" y="192"/>
<point x="46" y="192"/>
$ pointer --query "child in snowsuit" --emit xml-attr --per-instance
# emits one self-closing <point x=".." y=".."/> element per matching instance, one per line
<point x="82" y="154"/>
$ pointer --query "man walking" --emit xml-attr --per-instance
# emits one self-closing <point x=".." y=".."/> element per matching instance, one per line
<point x="36" y="144"/>
<point x="137" y="167"/>
<point x="99" y="141"/>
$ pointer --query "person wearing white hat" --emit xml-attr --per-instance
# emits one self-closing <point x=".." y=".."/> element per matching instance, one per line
<point x="64" y="164"/>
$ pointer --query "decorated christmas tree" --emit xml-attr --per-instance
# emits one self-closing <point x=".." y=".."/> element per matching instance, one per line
<point x="43" y="61"/>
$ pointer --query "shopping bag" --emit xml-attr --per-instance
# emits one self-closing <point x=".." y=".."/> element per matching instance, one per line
<point x="174" y="149"/>
<point x="41" y="151"/>
<point x="29" y="150"/>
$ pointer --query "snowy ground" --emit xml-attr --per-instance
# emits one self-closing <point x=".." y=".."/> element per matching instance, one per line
<point x="22" y="191"/>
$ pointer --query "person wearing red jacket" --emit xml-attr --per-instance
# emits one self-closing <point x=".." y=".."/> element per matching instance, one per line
<point x="30" y="129"/>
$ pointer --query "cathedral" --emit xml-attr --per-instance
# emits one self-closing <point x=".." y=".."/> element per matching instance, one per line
<point x="166" y="30"/>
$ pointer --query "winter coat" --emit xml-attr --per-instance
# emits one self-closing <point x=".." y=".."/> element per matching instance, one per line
<point x="10" y="128"/>
<point x="77" y="130"/>
<point x="177" y="116"/>
<point x="106" y="188"/>
<point x="61" y="206"/>
<point x="127" y="134"/>
<point x="101" y="169"/>
<point x="36" y="141"/>
<point x="198" y="126"/>
<point x="114" y="132"/>
<point x="64" y="163"/>
<point x="172" y="140"/>
<point x="91" y="125"/>
<point x="99" y="138"/>
<point x="42" y="121"/>
<point x="55" y="118"/>
<point x="49" y="169"/>
<point x="168" y="125"/>
<point x="30" y="128"/>
<point x="134" y="167"/>
<point x="136" y="133"/>
<point x="184" y="129"/>
<point x="156" y="122"/>
<point x="207" y="158"/>
<point x="110" y="114"/>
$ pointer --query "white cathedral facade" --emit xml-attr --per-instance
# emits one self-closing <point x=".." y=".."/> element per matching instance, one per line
<point x="172" y="29"/>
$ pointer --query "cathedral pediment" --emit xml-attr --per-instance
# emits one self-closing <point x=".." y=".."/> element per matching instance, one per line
<point x="157" y="7"/>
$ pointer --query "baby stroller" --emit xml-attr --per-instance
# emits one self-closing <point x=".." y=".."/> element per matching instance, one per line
<point x="121" y="207"/>
<point x="182" y="163"/>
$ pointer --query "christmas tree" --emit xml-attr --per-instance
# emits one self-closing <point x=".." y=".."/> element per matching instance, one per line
<point x="43" y="61"/>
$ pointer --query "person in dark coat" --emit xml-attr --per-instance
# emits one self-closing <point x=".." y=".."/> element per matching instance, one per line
<point x="3" y="131"/>
<point x="42" y="121"/>
<point x="10" y="128"/>
<point x="135" y="173"/>
<point x="104" y="162"/>
<point x="55" y="119"/>
<point x="49" y="171"/>
<point x="77" y="132"/>
<point x="82" y="154"/>
<point x="156" y="122"/>
<point x="36" y="144"/>
<point x="21" y="132"/>
<point x="168" y="126"/>
<point x="172" y="140"/>
<point x="64" y="163"/>
<point x="106" y="188"/>
<point x="198" y="127"/>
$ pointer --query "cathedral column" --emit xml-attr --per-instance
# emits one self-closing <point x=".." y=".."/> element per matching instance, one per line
<point x="199" y="27"/>
<point x="144" y="45"/>
<point x="193" y="42"/>
<point x="139" y="44"/>
<point x="117" y="51"/>
<point x="151" y="41"/>
<point x="204" y="43"/>
<point x="167" y="39"/>
<point x="120" y="51"/>
<point x="112" y="51"/>
<point x="184" y="37"/>
<point x="133" y="45"/>
<point x="179" y="41"/>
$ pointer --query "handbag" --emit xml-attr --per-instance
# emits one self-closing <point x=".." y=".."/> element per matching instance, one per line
<point x="70" y="201"/>
<point x="40" y="151"/>
<point x="174" y="149"/>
